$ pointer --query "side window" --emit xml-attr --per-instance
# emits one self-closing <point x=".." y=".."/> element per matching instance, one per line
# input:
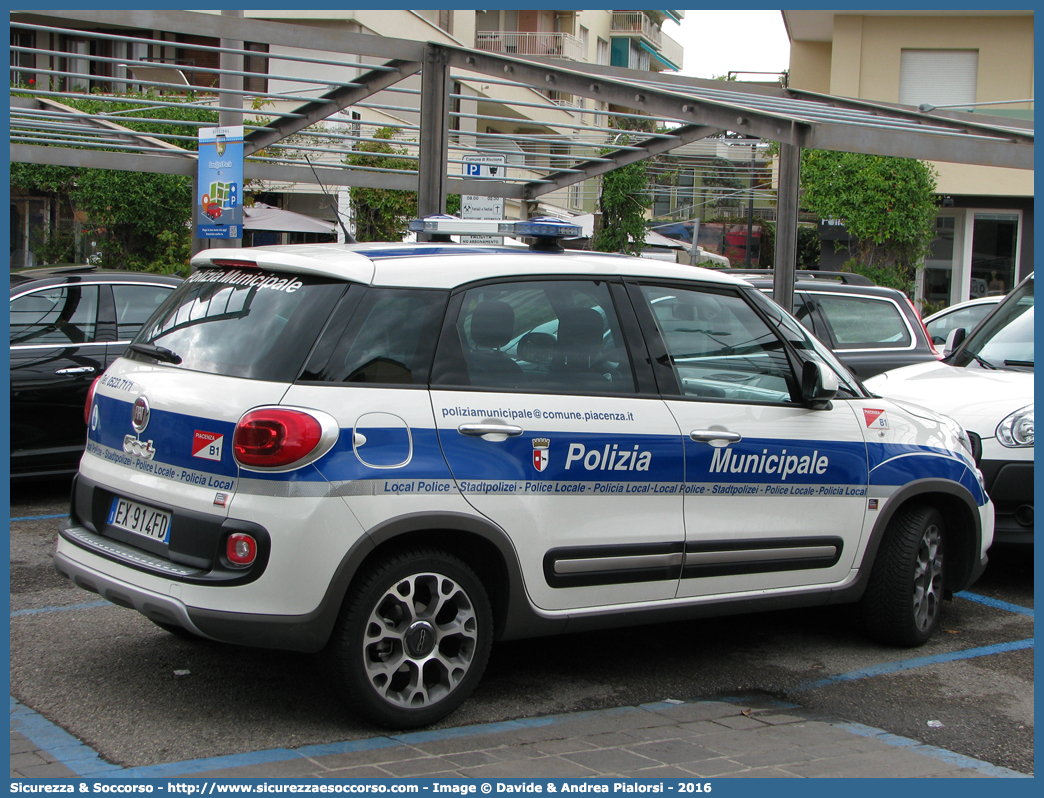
<point x="550" y="336"/>
<point x="860" y="322"/>
<point x="55" y="316"/>
<point x="719" y="347"/>
<point x="390" y="339"/>
<point x="134" y="305"/>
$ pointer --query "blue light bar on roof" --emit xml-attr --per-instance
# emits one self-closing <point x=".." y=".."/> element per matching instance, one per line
<point x="451" y="225"/>
<point x="541" y="227"/>
<point x="548" y="226"/>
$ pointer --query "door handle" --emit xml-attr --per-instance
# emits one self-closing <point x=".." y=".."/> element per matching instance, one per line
<point x="485" y="428"/>
<point x="76" y="370"/>
<point x="708" y="435"/>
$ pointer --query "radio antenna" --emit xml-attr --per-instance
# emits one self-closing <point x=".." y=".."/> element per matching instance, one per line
<point x="348" y="237"/>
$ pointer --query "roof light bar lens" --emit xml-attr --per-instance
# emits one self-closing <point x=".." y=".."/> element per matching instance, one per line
<point x="547" y="226"/>
<point x="543" y="227"/>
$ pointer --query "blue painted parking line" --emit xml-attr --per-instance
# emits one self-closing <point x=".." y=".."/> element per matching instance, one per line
<point x="915" y="662"/>
<point x="66" y="749"/>
<point x="39" y="517"/>
<point x="62" y="608"/>
<point x="995" y="603"/>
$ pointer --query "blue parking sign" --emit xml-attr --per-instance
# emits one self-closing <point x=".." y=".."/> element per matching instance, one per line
<point x="474" y="169"/>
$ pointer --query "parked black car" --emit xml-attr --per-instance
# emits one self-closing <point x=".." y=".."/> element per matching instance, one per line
<point x="870" y="327"/>
<point x="67" y="325"/>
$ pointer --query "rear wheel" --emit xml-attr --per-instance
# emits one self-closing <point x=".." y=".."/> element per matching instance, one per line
<point x="903" y="600"/>
<point x="412" y="640"/>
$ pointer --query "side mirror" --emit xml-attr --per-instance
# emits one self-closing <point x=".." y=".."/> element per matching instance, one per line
<point x="954" y="340"/>
<point x="818" y="385"/>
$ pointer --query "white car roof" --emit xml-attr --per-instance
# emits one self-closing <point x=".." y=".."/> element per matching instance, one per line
<point x="983" y="300"/>
<point x="444" y="265"/>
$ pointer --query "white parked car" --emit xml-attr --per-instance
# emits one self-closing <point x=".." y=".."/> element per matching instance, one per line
<point x="394" y="454"/>
<point x="963" y="314"/>
<point x="986" y="384"/>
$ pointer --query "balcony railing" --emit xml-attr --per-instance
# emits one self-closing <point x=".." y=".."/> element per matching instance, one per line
<point x="636" y="22"/>
<point x="554" y="45"/>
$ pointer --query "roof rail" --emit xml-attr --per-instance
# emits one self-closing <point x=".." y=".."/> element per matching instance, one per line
<point x="846" y="278"/>
<point x="64" y="269"/>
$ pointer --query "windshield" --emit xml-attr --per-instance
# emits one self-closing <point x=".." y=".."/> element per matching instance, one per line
<point x="1005" y="339"/>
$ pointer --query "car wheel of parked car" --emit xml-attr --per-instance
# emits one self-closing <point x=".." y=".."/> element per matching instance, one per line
<point x="412" y="640"/>
<point x="902" y="603"/>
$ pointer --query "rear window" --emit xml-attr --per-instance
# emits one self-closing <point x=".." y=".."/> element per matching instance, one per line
<point x="862" y="322"/>
<point x="248" y="323"/>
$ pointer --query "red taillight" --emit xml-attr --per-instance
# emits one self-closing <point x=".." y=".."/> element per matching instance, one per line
<point x="272" y="438"/>
<point x="90" y="401"/>
<point x="924" y="329"/>
<point x="241" y="549"/>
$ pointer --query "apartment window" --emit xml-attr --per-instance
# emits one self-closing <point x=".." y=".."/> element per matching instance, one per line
<point x="585" y="42"/>
<point x="258" y="65"/>
<point x="938" y="77"/>
<point x="23" y="60"/>
<point x="446" y="21"/>
<point x="576" y="195"/>
<point x="603" y="51"/>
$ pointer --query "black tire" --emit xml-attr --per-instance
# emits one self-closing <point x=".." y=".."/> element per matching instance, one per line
<point x="903" y="599"/>
<point x="438" y="653"/>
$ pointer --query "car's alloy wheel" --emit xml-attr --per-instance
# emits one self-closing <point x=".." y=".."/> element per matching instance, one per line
<point x="413" y="639"/>
<point x="903" y="599"/>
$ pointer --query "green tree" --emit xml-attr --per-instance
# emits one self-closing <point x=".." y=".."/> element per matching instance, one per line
<point x="383" y="214"/>
<point x="887" y="204"/>
<point x="141" y="219"/>
<point x="624" y="199"/>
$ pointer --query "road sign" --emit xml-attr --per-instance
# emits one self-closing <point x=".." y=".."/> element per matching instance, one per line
<point x="472" y="206"/>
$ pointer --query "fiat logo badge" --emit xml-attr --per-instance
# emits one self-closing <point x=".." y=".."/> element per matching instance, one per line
<point x="140" y="414"/>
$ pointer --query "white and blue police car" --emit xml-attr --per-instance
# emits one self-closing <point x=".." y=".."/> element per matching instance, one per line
<point x="395" y="454"/>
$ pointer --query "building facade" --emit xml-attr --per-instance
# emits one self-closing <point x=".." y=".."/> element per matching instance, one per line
<point x="974" y="61"/>
<point x="535" y="130"/>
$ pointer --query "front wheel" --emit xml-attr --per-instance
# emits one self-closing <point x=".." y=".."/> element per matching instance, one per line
<point x="903" y="599"/>
<point x="412" y="640"/>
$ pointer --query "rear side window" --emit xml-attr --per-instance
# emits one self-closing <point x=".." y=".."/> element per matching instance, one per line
<point x="55" y="316"/>
<point x="860" y="322"/>
<point x="553" y="336"/>
<point x="390" y="340"/>
<point x="134" y="305"/>
<point x="244" y="322"/>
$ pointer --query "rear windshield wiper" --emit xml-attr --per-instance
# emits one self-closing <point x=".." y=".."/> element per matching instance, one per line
<point x="157" y="352"/>
<point x="1023" y="363"/>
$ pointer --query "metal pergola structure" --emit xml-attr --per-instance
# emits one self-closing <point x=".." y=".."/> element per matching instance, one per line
<point x="438" y="123"/>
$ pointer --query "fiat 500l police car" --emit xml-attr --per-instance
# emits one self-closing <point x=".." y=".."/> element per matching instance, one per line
<point x="396" y="454"/>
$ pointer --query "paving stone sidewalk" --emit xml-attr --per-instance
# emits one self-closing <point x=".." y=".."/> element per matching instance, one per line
<point x="703" y="739"/>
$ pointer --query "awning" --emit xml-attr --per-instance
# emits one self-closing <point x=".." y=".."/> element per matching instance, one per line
<point x="655" y="54"/>
<point x="264" y="217"/>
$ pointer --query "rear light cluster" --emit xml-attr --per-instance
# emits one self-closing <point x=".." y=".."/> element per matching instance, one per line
<point x="241" y="549"/>
<point x="276" y="438"/>
<point x="90" y="400"/>
<point x="924" y="328"/>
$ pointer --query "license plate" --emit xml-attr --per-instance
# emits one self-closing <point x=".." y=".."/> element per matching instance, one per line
<point x="139" y="519"/>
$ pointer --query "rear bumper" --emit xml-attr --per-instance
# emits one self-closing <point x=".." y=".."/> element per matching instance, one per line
<point x="154" y="606"/>
<point x="290" y="632"/>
